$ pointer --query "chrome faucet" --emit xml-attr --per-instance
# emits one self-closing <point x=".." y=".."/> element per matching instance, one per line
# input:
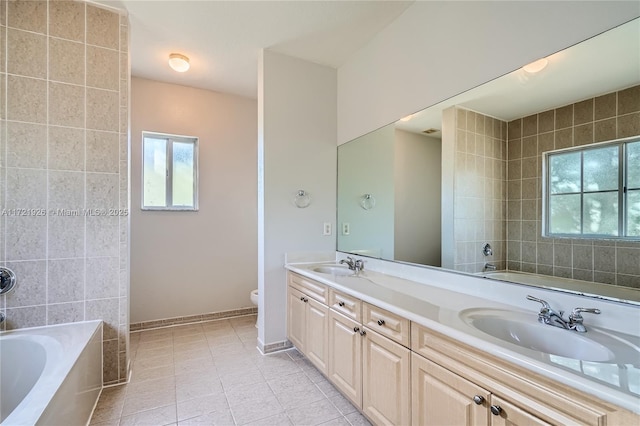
<point x="2" y="317"/>
<point x="550" y="317"/>
<point x="353" y="264"/>
<point x="489" y="267"/>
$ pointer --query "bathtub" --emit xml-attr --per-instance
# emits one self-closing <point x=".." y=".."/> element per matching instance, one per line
<point x="50" y="375"/>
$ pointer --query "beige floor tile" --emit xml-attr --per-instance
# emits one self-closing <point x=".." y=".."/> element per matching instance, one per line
<point x="357" y="419"/>
<point x="152" y="362"/>
<point x="140" y="374"/>
<point x="340" y="421"/>
<point x="314" y="413"/>
<point x="278" y="420"/>
<point x="191" y="387"/>
<point x="241" y="378"/>
<point x="187" y="365"/>
<point x="343" y="404"/>
<point x="211" y="419"/>
<point x="202" y="405"/>
<point x="159" y="416"/>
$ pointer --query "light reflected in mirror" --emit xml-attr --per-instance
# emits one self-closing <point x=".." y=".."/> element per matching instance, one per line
<point x="468" y="171"/>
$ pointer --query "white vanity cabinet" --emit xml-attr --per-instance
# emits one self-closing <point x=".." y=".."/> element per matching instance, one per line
<point x="308" y="319"/>
<point x="456" y="384"/>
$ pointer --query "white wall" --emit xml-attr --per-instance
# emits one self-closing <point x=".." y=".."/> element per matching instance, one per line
<point x="296" y="150"/>
<point x="417" y="165"/>
<point x="365" y="166"/>
<point x="190" y="263"/>
<point x="437" y="49"/>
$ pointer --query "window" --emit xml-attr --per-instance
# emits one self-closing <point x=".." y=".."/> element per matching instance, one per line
<point x="170" y="172"/>
<point x="594" y="191"/>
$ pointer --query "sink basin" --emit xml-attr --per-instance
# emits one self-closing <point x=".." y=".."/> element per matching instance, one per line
<point x="342" y="271"/>
<point x="525" y="331"/>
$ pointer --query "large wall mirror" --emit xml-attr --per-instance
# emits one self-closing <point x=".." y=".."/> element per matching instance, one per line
<point x="436" y="187"/>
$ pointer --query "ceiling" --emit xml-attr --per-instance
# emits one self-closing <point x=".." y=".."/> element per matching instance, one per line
<point x="602" y="64"/>
<point x="223" y="39"/>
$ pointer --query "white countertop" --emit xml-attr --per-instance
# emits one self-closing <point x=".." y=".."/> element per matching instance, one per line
<point x="438" y="308"/>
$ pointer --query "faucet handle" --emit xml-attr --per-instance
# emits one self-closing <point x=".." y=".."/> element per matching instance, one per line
<point x="576" y="316"/>
<point x="545" y="304"/>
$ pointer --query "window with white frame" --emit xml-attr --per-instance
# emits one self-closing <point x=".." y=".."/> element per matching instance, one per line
<point x="169" y="172"/>
<point x="594" y="191"/>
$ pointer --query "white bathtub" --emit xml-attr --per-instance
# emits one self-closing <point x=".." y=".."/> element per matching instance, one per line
<point x="50" y="375"/>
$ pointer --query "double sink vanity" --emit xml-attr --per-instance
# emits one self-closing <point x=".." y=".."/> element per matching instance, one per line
<point x="455" y="349"/>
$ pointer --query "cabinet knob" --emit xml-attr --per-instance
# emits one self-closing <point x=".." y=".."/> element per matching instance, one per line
<point x="302" y="298"/>
<point x="380" y="322"/>
<point x="305" y="300"/>
<point x="356" y="329"/>
<point x="340" y="303"/>
<point x="478" y="399"/>
<point x="496" y="410"/>
<point x="362" y="333"/>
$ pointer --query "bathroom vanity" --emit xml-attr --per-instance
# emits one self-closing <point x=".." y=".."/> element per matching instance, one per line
<point x="405" y="352"/>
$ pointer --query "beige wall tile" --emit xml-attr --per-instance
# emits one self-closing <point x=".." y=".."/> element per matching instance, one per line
<point x="605" y="106"/>
<point x="30" y="316"/>
<point x="583" y="135"/>
<point x="61" y="313"/>
<point x="26" y="53"/>
<point x="26" y="99"/>
<point x="66" y="278"/>
<point x="563" y="138"/>
<point x="546" y="121"/>
<point x="66" y="148"/>
<point x="629" y="125"/>
<point x="604" y="130"/>
<point x="66" y="237"/>
<point x="26" y="189"/>
<point x="110" y="360"/>
<point x="3" y="92"/>
<point x="102" y="236"/>
<point x="106" y="310"/>
<point x="102" y="110"/>
<point x="66" y="190"/>
<point x="103" y="27"/>
<point x="67" y="19"/>
<point x="102" y="277"/>
<point x="529" y="146"/>
<point x="26" y="145"/>
<point x="530" y="125"/>
<point x="25" y="237"/>
<point x="583" y="112"/>
<point x="564" y="117"/>
<point x="124" y="36"/>
<point x="66" y="61"/>
<point x="629" y="100"/>
<point x="66" y="105"/>
<point x="102" y="151"/>
<point x="102" y="191"/>
<point x="103" y="68"/>
<point x="30" y="15"/>
<point x="33" y="278"/>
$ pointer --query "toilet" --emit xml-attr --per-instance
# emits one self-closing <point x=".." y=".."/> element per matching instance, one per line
<point x="254" y="299"/>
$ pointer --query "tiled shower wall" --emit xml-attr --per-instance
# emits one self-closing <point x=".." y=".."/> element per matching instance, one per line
<point x="479" y="176"/>
<point x="611" y="116"/>
<point x="64" y="76"/>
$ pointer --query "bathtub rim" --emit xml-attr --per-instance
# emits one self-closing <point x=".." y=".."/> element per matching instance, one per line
<point x="68" y="336"/>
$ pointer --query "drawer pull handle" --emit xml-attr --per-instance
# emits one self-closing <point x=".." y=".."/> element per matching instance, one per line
<point x="380" y="322"/>
<point x="478" y="399"/>
<point x="496" y="410"/>
<point x="356" y="329"/>
<point x="362" y="333"/>
<point x="340" y="304"/>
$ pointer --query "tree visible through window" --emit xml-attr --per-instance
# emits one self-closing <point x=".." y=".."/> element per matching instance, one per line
<point x="169" y="172"/>
<point x="595" y="191"/>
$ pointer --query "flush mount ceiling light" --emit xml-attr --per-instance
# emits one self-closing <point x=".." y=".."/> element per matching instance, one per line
<point x="178" y="62"/>
<point x="536" y="66"/>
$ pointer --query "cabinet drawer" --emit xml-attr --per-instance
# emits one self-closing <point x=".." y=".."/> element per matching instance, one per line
<point x="386" y="323"/>
<point x="311" y="288"/>
<point x="347" y="305"/>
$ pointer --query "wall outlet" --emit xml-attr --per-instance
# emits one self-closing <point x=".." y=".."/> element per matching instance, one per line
<point x="326" y="230"/>
<point x="345" y="228"/>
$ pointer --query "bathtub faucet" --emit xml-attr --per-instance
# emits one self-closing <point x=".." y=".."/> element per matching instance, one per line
<point x="489" y="267"/>
<point x="1" y="317"/>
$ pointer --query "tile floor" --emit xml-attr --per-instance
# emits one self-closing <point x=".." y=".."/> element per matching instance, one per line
<point x="212" y="374"/>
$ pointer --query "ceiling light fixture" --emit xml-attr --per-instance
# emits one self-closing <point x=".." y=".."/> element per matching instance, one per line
<point x="178" y="62"/>
<point x="536" y="66"/>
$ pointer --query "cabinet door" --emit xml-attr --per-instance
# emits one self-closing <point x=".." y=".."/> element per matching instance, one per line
<point x="510" y="415"/>
<point x="345" y="356"/>
<point x="297" y="319"/>
<point x="386" y="385"/>
<point x="440" y="397"/>
<point x="317" y="334"/>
